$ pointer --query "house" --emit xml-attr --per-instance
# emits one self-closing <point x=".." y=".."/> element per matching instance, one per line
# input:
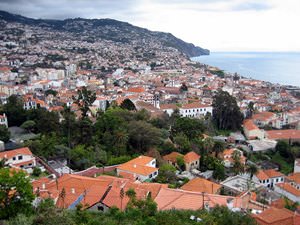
<point x="141" y="168"/>
<point x="191" y="160"/>
<point x="290" y="188"/>
<point x="76" y="189"/>
<point x="275" y="216"/>
<point x="95" y="194"/>
<point x="289" y="135"/>
<point x="239" y="184"/>
<point x="263" y="118"/>
<point x="202" y="185"/>
<point x="3" y="120"/>
<point x="228" y="157"/>
<point x="195" y="109"/>
<point x="268" y="178"/>
<point x="251" y="131"/>
<point x="21" y="158"/>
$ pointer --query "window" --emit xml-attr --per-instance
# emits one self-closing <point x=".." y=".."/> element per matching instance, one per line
<point x="153" y="162"/>
<point x="20" y="157"/>
<point x="155" y="173"/>
<point x="150" y="176"/>
<point x="100" y="208"/>
<point x="276" y="180"/>
<point x="281" y="178"/>
<point x="14" y="158"/>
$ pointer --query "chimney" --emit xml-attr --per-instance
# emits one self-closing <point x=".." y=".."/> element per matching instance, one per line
<point x="73" y="190"/>
<point x="134" y="165"/>
<point x="43" y="186"/>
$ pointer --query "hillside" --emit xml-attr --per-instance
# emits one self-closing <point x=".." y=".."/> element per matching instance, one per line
<point x="109" y="30"/>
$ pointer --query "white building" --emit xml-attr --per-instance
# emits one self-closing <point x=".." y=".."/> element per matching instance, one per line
<point x="195" y="109"/>
<point x="21" y="157"/>
<point x="290" y="188"/>
<point x="269" y="178"/>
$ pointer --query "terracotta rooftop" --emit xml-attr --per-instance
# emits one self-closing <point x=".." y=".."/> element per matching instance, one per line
<point x="294" y="177"/>
<point x="194" y="105"/>
<point x="15" y="152"/>
<point x="267" y="174"/>
<point x="289" y="188"/>
<point x="191" y="157"/>
<point x="275" y="216"/>
<point x="172" y="157"/>
<point x="249" y="125"/>
<point x="201" y="185"/>
<point x="283" y="134"/>
<point x="139" y="166"/>
<point x="263" y="116"/>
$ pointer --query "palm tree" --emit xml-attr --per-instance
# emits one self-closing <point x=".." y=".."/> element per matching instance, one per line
<point x="252" y="170"/>
<point x="218" y="148"/>
<point x="208" y="144"/>
<point x="121" y="139"/>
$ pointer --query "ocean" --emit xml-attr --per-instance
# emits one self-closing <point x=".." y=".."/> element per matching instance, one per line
<point x="275" y="67"/>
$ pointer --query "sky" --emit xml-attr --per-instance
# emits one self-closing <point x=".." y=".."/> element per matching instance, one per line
<point x="218" y="25"/>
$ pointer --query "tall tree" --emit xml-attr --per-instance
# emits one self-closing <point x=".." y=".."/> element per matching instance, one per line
<point x="252" y="170"/>
<point x="14" y="111"/>
<point x="250" y="109"/>
<point x="4" y="133"/>
<point x="218" y="148"/>
<point x="226" y="113"/>
<point x="84" y="99"/>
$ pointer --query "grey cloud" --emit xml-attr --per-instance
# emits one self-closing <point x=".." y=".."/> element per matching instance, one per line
<point x="67" y="8"/>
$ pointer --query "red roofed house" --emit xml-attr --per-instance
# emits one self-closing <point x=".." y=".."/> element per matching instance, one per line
<point x="21" y="158"/>
<point x="251" y="131"/>
<point x="290" y="188"/>
<point x="195" y="109"/>
<point x="268" y="178"/>
<point x="263" y="118"/>
<point x="142" y="168"/>
<point x="191" y="159"/>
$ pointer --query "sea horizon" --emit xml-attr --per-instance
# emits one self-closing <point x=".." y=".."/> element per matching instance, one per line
<point x="278" y="67"/>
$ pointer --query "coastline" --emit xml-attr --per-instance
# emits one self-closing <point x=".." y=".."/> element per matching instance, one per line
<point x="282" y="68"/>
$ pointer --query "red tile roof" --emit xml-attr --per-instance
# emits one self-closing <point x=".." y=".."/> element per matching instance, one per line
<point x="172" y="157"/>
<point x="15" y="152"/>
<point x="275" y="216"/>
<point x="283" y="134"/>
<point x="249" y="125"/>
<point x="201" y="185"/>
<point x="139" y="166"/>
<point x="191" y="157"/>
<point x="194" y="105"/>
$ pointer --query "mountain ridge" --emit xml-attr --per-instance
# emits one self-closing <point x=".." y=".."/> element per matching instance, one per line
<point x="108" y="29"/>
